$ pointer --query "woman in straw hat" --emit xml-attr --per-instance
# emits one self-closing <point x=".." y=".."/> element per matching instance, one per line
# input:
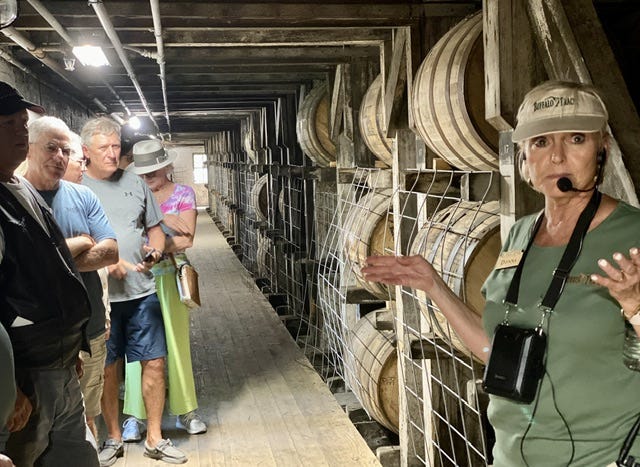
<point x="178" y="203"/>
<point x="567" y="285"/>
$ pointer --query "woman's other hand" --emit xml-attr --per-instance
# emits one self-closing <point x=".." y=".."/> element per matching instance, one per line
<point x="409" y="271"/>
<point x="622" y="279"/>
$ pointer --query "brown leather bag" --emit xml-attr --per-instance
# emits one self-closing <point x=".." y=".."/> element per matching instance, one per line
<point x="187" y="282"/>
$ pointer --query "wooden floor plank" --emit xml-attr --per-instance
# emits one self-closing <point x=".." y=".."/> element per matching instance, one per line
<point x="262" y="400"/>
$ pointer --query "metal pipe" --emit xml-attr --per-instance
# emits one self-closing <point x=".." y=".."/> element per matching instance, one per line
<point x="143" y="52"/>
<point x="37" y="52"/>
<point x="117" y="118"/>
<point x="157" y="31"/>
<point x="11" y="59"/>
<point x="108" y="27"/>
<point x="60" y="29"/>
<point x="49" y="18"/>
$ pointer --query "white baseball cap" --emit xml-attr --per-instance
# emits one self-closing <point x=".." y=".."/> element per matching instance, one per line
<point x="558" y="106"/>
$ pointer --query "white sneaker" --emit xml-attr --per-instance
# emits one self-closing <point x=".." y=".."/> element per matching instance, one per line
<point x="132" y="430"/>
<point x="191" y="423"/>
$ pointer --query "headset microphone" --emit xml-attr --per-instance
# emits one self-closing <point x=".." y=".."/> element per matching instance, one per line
<point x="564" y="185"/>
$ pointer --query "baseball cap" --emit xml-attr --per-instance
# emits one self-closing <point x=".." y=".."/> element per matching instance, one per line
<point x="11" y="101"/>
<point x="559" y="106"/>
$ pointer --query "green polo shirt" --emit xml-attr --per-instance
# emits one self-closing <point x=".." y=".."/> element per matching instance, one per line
<point x="593" y="390"/>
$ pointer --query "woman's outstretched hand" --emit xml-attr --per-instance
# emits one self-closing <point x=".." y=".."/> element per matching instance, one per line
<point x="622" y="279"/>
<point x="409" y="271"/>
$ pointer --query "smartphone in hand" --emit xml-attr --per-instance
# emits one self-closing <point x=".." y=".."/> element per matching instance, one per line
<point x="148" y="258"/>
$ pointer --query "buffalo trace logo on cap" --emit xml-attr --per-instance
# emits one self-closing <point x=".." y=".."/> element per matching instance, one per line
<point x="553" y="101"/>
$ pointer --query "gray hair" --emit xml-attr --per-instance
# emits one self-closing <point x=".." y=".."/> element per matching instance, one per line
<point x="76" y="147"/>
<point x="41" y="125"/>
<point x="99" y="126"/>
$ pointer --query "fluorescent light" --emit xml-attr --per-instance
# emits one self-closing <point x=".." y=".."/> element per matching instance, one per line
<point x="90" y="55"/>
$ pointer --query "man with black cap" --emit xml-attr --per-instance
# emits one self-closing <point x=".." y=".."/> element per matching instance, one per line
<point x="44" y="308"/>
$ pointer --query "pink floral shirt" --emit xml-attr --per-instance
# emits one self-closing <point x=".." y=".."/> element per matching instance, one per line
<point x="183" y="198"/>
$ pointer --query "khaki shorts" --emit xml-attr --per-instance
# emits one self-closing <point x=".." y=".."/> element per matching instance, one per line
<point x="92" y="380"/>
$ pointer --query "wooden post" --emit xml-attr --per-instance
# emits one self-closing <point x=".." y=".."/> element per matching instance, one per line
<point x="508" y="58"/>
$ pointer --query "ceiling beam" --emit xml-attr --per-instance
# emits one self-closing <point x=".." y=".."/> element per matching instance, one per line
<point x="272" y="14"/>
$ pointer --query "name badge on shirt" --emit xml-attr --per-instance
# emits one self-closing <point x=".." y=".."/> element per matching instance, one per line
<point x="509" y="259"/>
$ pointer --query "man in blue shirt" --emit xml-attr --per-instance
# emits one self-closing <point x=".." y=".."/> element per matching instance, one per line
<point x="88" y="235"/>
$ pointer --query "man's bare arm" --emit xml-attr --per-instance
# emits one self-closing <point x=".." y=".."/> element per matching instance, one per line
<point x="103" y="253"/>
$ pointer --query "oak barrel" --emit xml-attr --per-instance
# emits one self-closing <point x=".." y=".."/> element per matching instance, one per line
<point x="448" y="99"/>
<point x="312" y="127"/>
<point x="248" y="139"/>
<point x="264" y="256"/>
<point x="371" y="126"/>
<point x="369" y="231"/>
<point x="372" y="369"/>
<point x="260" y="198"/>
<point x="462" y="242"/>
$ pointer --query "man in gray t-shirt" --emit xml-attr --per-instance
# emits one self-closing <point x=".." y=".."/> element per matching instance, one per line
<point x="137" y="329"/>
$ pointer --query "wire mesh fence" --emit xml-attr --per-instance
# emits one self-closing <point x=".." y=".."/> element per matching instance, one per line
<point x="306" y="241"/>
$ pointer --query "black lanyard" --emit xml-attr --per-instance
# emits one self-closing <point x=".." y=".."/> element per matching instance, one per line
<point x="569" y="258"/>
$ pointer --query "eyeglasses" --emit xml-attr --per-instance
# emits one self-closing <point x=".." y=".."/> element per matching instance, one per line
<point x="80" y="160"/>
<point x="151" y="174"/>
<point x="53" y="148"/>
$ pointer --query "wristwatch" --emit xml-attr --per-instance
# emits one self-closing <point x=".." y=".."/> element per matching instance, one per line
<point x="634" y="319"/>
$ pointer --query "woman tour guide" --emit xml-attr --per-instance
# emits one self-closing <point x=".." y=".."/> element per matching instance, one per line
<point x="585" y="400"/>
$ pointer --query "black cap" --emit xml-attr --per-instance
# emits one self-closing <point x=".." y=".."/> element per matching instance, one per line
<point x="11" y="101"/>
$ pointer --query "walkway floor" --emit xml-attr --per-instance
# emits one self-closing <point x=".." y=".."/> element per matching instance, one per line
<point x="264" y="403"/>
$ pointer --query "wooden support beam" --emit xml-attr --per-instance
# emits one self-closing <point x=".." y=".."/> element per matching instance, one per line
<point x="360" y="295"/>
<point x="382" y="321"/>
<point x="480" y="186"/>
<point x="394" y="85"/>
<point x="510" y="71"/>
<point x="434" y="348"/>
<point x="607" y="77"/>
<point x="498" y="101"/>
<point x="337" y="103"/>
<point x="556" y="43"/>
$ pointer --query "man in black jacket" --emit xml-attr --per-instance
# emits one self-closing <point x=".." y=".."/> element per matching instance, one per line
<point x="44" y="308"/>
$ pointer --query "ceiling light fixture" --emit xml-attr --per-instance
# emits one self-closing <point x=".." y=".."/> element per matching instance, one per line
<point x="91" y="55"/>
<point x="135" y="123"/>
<point x="69" y="63"/>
